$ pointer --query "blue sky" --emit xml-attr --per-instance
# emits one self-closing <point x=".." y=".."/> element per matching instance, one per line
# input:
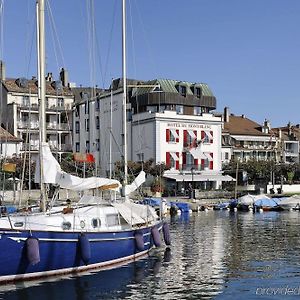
<point x="248" y="52"/>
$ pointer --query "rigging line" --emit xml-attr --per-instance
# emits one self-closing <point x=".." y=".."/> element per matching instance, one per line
<point x="109" y="43"/>
<point x="148" y="44"/>
<point x="55" y="36"/>
<point x="28" y="44"/>
<point x="30" y="50"/>
<point x="52" y="34"/>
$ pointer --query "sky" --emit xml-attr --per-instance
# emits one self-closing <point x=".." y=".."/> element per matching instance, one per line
<point x="247" y="51"/>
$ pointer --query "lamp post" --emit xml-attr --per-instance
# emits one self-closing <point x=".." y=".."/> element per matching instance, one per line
<point x="192" y="172"/>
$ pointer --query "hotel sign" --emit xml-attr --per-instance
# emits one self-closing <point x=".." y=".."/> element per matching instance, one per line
<point x="188" y="125"/>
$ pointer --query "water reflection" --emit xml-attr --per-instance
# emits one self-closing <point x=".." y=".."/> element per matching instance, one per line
<point x="214" y="255"/>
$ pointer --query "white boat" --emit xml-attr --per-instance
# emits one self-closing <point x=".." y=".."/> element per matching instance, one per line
<point x="290" y="203"/>
<point x="94" y="233"/>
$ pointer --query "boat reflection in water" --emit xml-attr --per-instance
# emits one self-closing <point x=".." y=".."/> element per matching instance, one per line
<point x="106" y="284"/>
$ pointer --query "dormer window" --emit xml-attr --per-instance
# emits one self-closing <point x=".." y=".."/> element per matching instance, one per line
<point x="182" y="90"/>
<point x="198" y="92"/>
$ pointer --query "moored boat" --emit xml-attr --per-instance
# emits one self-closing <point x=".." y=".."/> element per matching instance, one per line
<point x="97" y="231"/>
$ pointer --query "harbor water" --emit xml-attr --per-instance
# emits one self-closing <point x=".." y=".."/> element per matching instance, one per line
<point x="214" y="255"/>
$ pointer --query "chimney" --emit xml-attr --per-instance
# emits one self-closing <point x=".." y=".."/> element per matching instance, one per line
<point x="49" y="77"/>
<point x="266" y="127"/>
<point x="2" y="70"/>
<point x="289" y="126"/>
<point x="280" y="134"/>
<point x="64" y="77"/>
<point x="226" y="114"/>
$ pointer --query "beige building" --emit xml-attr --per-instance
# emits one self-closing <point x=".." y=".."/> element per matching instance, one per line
<point x="20" y="113"/>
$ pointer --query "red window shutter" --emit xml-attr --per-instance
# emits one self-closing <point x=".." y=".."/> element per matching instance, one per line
<point x="168" y="159"/>
<point x="202" y="135"/>
<point x="177" y="132"/>
<point x="202" y="164"/>
<point x="185" y="133"/>
<point x="211" y="163"/>
<point x="167" y="135"/>
<point x="212" y="134"/>
<point x="184" y="158"/>
<point x="196" y="163"/>
<point x="177" y="161"/>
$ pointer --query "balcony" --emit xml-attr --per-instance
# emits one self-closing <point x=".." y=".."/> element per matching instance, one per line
<point x="28" y="125"/>
<point x="62" y="148"/>
<point x="30" y="147"/>
<point x="56" y="126"/>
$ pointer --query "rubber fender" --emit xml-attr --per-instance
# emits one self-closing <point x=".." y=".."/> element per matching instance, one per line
<point x="33" y="250"/>
<point x="156" y="236"/>
<point x="139" y="241"/>
<point x="85" y="248"/>
<point x="166" y="234"/>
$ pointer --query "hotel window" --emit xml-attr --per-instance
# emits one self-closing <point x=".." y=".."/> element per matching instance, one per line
<point x="207" y="137"/>
<point x="87" y="146"/>
<point x="87" y="108"/>
<point x="77" y="127"/>
<point x="190" y="138"/>
<point x="172" y="160"/>
<point x="97" y="122"/>
<point x="77" y="147"/>
<point x="172" y="135"/>
<point x="97" y="144"/>
<point x="140" y="156"/>
<point x="97" y="104"/>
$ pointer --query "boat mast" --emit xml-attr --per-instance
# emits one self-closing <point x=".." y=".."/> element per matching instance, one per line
<point x="124" y="91"/>
<point x="40" y="11"/>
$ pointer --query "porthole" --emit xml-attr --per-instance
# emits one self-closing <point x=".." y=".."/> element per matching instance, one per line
<point x="96" y="222"/>
<point x="19" y="224"/>
<point x="66" y="225"/>
<point x="82" y="224"/>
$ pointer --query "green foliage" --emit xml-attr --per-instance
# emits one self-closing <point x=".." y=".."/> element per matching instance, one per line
<point x="262" y="170"/>
<point x="134" y="168"/>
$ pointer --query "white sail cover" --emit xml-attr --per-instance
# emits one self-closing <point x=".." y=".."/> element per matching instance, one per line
<point x="135" y="213"/>
<point x="139" y="180"/>
<point x="52" y="173"/>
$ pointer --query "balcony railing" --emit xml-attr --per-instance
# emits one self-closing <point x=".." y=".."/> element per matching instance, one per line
<point x="54" y="147"/>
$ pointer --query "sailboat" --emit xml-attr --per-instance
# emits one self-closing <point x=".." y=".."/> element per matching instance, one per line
<point x="93" y="234"/>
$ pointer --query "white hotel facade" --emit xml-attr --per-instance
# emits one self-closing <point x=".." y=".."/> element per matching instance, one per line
<point x="168" y="121"/>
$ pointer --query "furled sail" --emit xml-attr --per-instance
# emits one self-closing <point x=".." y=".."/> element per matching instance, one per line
<point x="52" y="173"/>
<point x="138" y="181"/>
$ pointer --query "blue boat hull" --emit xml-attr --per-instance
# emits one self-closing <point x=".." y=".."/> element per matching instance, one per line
<point x="61" y="252"/>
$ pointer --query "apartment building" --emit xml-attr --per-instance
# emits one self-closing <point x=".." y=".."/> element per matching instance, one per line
<point x="20" y="112"/>
<point x="244" y="139"/>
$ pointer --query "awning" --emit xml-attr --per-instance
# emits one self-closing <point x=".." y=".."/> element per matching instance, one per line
<point x="199" y="177"/>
